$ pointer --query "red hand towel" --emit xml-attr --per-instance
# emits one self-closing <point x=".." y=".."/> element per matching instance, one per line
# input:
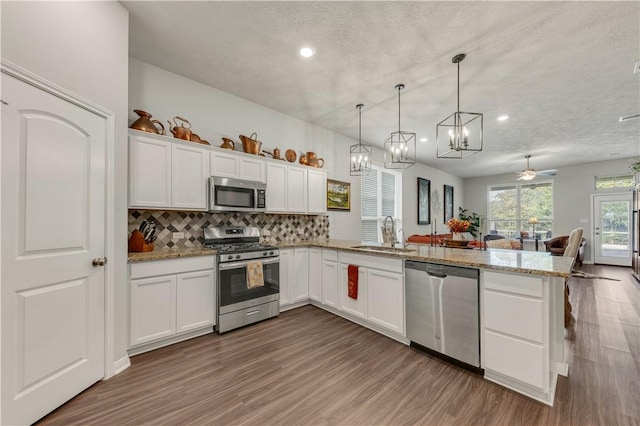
<point x="352" y="275"/>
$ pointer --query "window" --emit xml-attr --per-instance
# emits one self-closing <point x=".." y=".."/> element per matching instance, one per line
<point x="621" y="181"/>
<point x="511" y="208"/>
<point x="381" y="197"/>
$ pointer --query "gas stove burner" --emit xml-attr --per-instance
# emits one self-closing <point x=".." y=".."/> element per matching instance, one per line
<point x="238" y="243"/>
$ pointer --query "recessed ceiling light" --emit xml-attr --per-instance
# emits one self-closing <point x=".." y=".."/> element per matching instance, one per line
<point x="612" y="154"/>
<point x="423" y="139"/>
<point x="306" y="52"/>
<point x="503" y="118"/>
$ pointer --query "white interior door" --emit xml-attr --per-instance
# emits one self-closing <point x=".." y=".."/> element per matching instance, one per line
<point x="612" y="229"/>
<point x="53" y="226"/>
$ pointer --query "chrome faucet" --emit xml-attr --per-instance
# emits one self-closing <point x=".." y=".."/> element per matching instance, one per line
<point x="389" y="235"/>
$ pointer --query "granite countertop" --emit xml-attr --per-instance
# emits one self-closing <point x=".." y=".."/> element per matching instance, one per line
<point x="169" y="253"/>
<point x="528" y="262"/>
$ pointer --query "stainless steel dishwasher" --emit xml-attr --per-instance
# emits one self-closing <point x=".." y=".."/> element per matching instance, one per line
<point x="443" y="312"/>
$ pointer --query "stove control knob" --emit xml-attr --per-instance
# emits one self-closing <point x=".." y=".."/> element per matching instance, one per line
<point x="230" y="257"/>
<point x="271" y="253"/>
<point x="264" y="253"/>
<point x="237" y="256"/>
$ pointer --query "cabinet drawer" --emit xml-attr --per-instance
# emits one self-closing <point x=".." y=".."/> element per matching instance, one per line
<point x="513" y="314"/>
<point x="331" y="255"/>
<point x="171" y="266"/>
<point x="528" y="286"/>
<point x="371" y="261"/>
<point x="514" y="358"/>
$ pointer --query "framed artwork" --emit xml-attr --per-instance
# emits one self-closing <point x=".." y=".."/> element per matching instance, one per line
<point x="448" y="203"/>
<point x="338" y="195"/>
<point x="424" y="189"/>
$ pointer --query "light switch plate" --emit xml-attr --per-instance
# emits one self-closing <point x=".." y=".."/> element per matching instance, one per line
<point x="178" y="235"/>
<point x="266" y="232"/>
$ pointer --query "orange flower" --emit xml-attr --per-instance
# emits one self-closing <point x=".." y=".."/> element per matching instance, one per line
<point x="457" y="225"/>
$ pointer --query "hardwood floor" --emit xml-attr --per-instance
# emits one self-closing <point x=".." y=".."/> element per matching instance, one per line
<point x="311" y="367"/>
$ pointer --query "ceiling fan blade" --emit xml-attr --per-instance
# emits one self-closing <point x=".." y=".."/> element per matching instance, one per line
<point x="550" y="172"/>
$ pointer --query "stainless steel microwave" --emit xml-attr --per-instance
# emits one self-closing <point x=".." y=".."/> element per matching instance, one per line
<point x="235" y="195"/>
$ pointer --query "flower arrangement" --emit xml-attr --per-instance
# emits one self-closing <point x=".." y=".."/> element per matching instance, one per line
<point x="457" y="225"/>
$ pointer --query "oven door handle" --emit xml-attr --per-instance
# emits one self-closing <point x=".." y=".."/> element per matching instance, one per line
<point x="238" y="265"/>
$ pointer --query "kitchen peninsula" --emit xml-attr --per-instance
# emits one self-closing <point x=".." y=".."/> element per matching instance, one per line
<point x="521" y="301"/>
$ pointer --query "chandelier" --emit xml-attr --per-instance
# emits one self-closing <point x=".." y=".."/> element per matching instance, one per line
<point x="400" y="147"/>
<point x="360" y="154"/>
<point x="460" y="134"/>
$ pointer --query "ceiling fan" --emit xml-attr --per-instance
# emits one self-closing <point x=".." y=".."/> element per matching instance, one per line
<point x="529" y="173"/>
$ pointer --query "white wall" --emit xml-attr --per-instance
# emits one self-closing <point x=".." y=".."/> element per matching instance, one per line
<point x="572" y="190"/>
<point x="83" y="48"/>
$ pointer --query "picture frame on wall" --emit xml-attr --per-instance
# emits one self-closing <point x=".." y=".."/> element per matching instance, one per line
<point x="424" y="191"/>
<point x="338" y="195"/>
<point x="448" y="203"/>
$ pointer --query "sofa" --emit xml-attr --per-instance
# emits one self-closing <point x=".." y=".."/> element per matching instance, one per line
<point x="556" y="246"/>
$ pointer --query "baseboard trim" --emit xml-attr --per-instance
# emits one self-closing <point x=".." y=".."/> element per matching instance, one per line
<point x="120" y="365"/>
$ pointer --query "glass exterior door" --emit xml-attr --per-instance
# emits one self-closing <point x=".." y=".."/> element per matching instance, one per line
<point x="612" y="229"/>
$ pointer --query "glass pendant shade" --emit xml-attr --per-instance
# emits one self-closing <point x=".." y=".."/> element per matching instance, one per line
<point x="460" y="134"/>
<point x="360" y="155"/>
<point x="400" y="146"/>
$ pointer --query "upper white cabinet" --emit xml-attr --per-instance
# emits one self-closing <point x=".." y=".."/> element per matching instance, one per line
<point x="293" y="189"/>
<point x="316" y="191"/>
<point x="166" y="174"/>
<point x="237" y="166"/>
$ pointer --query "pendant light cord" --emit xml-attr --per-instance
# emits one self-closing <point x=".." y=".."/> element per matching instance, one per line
<point x="458" y="87"/>
<point x="399" y="89"/>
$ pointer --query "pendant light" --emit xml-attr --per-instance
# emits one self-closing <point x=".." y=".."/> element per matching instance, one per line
<point x="460" y="134"/>
<point x="360" y="163"/>
<point x="400" y="147"/>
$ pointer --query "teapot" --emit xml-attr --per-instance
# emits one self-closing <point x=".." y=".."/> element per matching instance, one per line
<point x="145" y="124"/>
<point x="180" y="132"/>
<point x="313" y="160"/>
<point x="228" y="144"/>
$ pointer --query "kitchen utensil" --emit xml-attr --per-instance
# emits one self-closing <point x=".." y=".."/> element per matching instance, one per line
<point x="290" y="155"/>
<point x="180" y="132"/>
<point x="276" y="153"/>
<point x="228" y="144"/>
<point x="251" y="145"/>
<point x="195" y="138"/>
<point x="145" y="124"/>
<point x="313" y="160"/>
<point x="137" y="243"/>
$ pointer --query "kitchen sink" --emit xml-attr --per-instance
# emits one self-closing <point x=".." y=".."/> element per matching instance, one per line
<point x="385" y="249"/>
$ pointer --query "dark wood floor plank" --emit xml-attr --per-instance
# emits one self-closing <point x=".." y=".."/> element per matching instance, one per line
<point x="308" y="366"/>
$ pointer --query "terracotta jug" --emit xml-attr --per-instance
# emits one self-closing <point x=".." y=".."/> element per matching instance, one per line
<point x="145" y="124"/>
<point x="180" y="132"/>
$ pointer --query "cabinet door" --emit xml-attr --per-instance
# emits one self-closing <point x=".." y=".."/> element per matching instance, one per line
<point x="316" y="191"/>
<point x="153" y="309"/>
<point x="189" y="174"/>
<point x="253" y="169"/>
<point x="385" y="297"/>
<point x="195" y="300"/>
<point x="149" y="172"/>
<point x="356" y="307"/>
<point x="276" y="187"/>
<point x="225" y="164"/>
<point x="296" y="190"/>
<point x="301" y="280"/>
<point x="315" y="274"/>
<point x="330" y="283"/>
<point x="286" y="268"/>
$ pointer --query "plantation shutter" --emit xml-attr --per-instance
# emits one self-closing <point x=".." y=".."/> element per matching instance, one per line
<point x="369" y="211"/>
<point x="380" y="198"/>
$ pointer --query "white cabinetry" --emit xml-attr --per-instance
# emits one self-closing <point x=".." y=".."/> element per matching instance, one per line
<point x="294" y="276"/>
<point x="315" y="274"/>
<point x="293" y="189"/>
<point x="170" y="299"/>
<point x="515" y="339"/>
<point x="167" y="174"/>
<point x="330" y="278"/>
<point x="316" y="191"/>
<point x="237" y="166"/>
<point x="380" y="290"/>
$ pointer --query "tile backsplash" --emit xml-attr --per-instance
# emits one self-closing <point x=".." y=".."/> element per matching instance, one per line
<point x="282" y="227"/>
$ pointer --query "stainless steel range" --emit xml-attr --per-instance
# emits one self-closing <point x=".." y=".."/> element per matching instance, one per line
<point x="239" y="301"/>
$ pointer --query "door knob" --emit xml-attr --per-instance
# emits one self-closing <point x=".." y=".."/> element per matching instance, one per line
<point x="99" y="261"/>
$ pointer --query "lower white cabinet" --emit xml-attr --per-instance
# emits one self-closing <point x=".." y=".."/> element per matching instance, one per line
<point x="294" y="275"/>
<point x="315" y="274"/>
<point x="330" y="278"/>
<point x="357" y="306"/>
<point x="514" y="339"/>
<point x="170" y="297"/>
<point x="385" y="299"/>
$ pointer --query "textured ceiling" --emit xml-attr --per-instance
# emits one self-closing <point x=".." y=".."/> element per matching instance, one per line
<point x="562" y="71"/>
